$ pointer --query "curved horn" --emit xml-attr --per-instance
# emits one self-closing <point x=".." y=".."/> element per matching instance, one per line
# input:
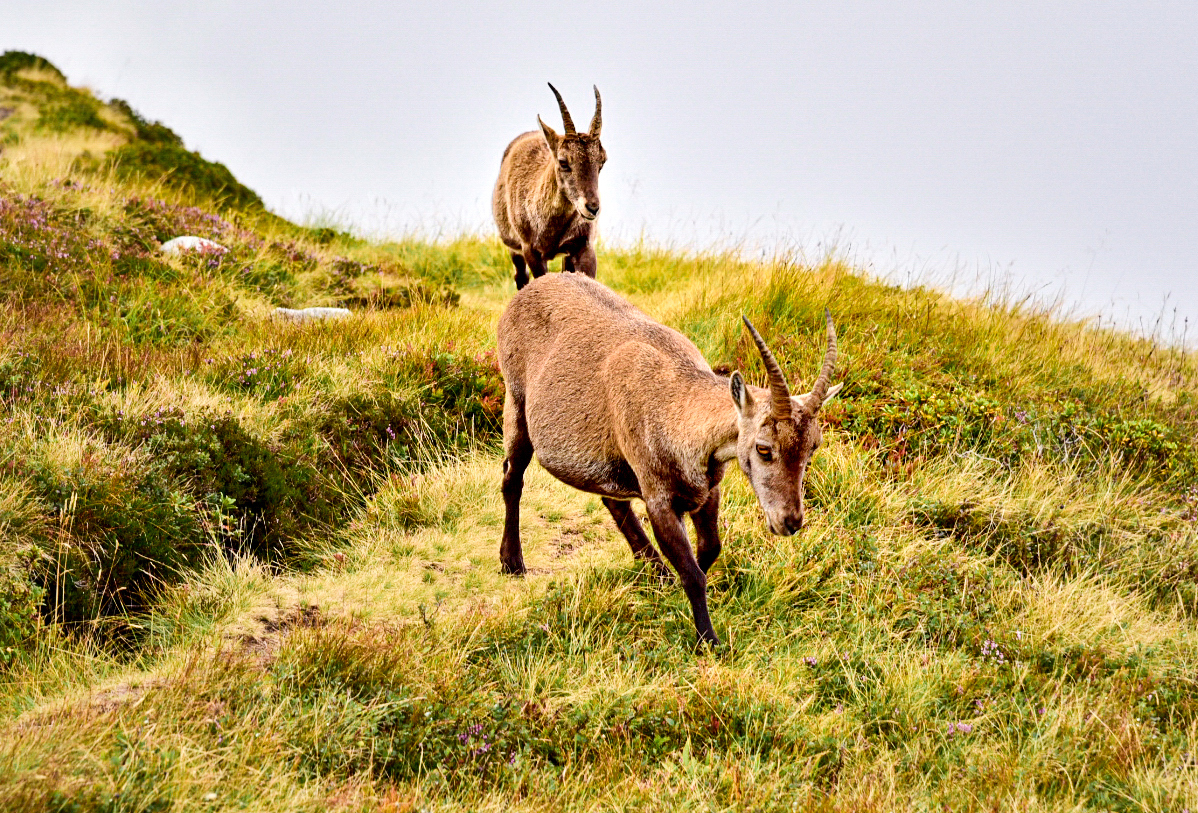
<point x="566" y="120"/>
<point x="820" y="388"/>
<point x="780" y="403"/>
<point x="597" y="119"/>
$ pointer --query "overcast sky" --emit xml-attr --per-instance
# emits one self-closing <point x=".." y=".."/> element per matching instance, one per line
<point x="1050" y="142"/>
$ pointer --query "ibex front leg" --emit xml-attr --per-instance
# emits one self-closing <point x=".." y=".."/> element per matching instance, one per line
<point x="707" y="530"/>
<point x="671" y="538"/>
<point x="518" y="454"/>
<point x="584" y="262"/>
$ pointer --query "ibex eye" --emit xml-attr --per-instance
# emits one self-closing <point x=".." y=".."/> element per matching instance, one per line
<point x="764" y="451"/>
<point x="565" y="167"/>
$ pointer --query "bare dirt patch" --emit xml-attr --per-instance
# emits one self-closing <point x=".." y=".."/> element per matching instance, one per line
<point x="568" y="542"/>
<point x="262" y="644"/>
<point x="98" y="702"/>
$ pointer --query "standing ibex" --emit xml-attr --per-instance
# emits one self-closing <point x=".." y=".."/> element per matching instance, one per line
<point x="547" y="196"/>
<point x="618" y="405"/>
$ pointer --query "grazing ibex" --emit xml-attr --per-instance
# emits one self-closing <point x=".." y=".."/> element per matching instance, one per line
<point x="618" y="405"/>
<point x="547" y="196"/>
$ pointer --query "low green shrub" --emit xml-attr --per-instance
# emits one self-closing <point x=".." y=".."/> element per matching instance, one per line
<point x="269" y="494"/>
<point x="185" y="171"/>
<point x="13" y="61"/>
<point x="121" y="531"/>
<point x="459" y="393"/>
<point x="22" y="528"/>
<point x="154" y="132"/>
<point x="71" y="113"/>
<point x="20" y="605"/>
<point x="927" y="419"/>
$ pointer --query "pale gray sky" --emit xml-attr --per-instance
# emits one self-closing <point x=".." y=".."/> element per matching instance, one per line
<point x="1051" y="141"/>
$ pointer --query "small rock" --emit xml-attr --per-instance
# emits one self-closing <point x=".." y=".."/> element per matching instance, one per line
<point x="308" y="314"/>
<point x="191" y="243"/>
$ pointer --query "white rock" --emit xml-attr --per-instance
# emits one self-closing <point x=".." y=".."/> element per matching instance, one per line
<point x="307" y="314"/>
<point x="191" y="243"/>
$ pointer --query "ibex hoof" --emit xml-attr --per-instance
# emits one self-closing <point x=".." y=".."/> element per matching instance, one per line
<point x="513" y="568"/>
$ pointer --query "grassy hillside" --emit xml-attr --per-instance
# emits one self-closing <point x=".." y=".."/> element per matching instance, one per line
<point x="252" y="565"/>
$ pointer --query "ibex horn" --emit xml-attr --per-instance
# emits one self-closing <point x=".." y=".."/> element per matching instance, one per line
<point x="597" y="119"/>
<point x="566" y="120"/>
<point x="780" y="403"/>
<point x="820" y="388"/>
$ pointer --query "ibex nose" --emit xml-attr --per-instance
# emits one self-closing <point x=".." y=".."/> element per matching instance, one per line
<point x="593" y="208"/>
<point x="793" y="524"/>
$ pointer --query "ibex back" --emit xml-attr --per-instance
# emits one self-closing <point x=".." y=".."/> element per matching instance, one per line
<point x="618" y="405"/>
<point x="547" y="196"/>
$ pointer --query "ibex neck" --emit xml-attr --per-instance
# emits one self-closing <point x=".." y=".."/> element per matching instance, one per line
<point x="552" y="198"/>
<point x="718" y="424"/>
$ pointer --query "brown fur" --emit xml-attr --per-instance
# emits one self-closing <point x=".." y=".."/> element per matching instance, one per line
<point x="547" y="197"/>
<point x="618" y="405"/>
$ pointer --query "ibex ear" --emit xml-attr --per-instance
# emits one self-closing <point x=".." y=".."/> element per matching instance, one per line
<point x="552" y="139"/>
<point x="806" y="402"/>
<point x="740" y="395"/>
<point x="832" y="393"/>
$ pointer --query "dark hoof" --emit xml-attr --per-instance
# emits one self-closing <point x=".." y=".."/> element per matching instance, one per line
<point x="513" y="568"/>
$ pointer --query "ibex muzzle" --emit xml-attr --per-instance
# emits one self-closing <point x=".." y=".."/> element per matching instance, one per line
<point x="618" y="405"/>
<point x="547" y="196"/>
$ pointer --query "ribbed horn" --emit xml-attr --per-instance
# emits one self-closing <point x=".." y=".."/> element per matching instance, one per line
<point x="597" y="119"/>
<point x="780" y="404"/>
<point x="566" y="120"/>
<point x="820" y="388"/>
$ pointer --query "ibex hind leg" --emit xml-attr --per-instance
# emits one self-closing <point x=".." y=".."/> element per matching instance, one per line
<point x="634" y="532"/>
<point x="521" y="270"/>
<point x="517" y="455"/>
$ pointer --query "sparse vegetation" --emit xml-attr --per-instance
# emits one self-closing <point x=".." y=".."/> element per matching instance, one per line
<point x="248" y="564"/>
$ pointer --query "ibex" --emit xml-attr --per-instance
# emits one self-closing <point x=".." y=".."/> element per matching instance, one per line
<point x="618" y="405"/>
<point x="547" y="196"/>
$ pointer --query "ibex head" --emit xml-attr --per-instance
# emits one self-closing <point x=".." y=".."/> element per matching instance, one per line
<point x="779" y="434"/>
<point x="578" y="157"/>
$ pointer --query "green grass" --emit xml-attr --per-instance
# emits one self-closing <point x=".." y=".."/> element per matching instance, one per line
<point x="250" y="565"/>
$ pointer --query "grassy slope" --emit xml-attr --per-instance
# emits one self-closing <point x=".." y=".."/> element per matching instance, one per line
<point x="249" y="565"/>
